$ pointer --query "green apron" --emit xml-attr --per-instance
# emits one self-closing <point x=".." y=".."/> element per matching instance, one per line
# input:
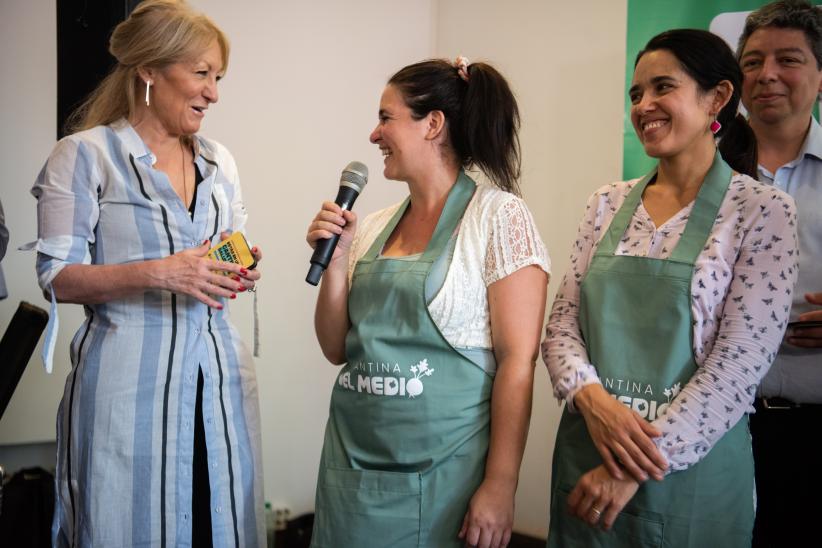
<point x="408" y="427"/>
<point x="635" y="318"/>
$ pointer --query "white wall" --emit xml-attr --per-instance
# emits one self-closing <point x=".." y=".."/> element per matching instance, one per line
<point x="565" y="62"/>
<point x="28" y="102"/>
<point x="298" y="103"/>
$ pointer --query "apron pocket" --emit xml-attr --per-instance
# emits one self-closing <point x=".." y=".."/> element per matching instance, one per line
<point x="367" y="508"/>
<point x="629" y="530"/>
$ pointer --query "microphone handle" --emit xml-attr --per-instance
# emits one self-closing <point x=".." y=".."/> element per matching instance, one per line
<point x="325" y="248"/>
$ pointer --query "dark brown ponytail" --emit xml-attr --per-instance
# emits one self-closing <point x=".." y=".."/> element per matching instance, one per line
<point x="481" y="113"/>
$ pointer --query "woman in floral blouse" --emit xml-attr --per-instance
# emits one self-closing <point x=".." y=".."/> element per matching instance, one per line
<point x="671" y="313"/>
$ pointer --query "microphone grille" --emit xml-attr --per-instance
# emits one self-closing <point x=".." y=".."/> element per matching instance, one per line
<point x="356" y="174"/>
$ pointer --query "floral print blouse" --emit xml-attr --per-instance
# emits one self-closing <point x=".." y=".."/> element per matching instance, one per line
<point x="740" y="300"/>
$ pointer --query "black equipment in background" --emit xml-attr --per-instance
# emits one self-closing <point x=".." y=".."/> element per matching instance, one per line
<point x="25" y="521"/>
<point x="16" y="347"/>
<point x="83" y="30"/>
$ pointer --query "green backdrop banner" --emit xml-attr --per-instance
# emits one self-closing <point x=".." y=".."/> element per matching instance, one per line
<point x="647" y="18"/>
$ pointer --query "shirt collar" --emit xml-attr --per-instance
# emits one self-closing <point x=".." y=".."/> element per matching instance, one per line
<point x="132" y="141"/>
<point x="811" y="147"/>
<point x="137" y="148"/>
<point x="813" y="142"/>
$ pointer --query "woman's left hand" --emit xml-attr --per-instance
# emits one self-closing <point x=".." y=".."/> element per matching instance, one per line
<point x="599" y="498"/>
<point x="249" y="279"/>
<point x="490" y="516"/>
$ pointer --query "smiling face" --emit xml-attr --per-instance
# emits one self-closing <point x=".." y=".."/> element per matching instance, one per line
<point x="669" y="112"/>
<point x="181" y="92"/>
<point x="782" y="80"/>
<point x="401" y="138"/>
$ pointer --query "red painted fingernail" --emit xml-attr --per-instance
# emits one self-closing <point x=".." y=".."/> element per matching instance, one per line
<point x="235" y="278"/>
<point x="241" y="288"/>
<point x="205" y="242"/>
<point x="219" y="307"/>
<point x="254" y="249"/>
<point x="233" y="295"/>
<point x="244" y="271"/>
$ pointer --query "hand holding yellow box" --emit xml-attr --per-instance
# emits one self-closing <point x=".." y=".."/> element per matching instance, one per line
<point x="234" y="249"/>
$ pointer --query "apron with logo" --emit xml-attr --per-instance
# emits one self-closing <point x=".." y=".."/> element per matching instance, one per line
<point x="408" y="427"/>
<point x="635" y="318"/>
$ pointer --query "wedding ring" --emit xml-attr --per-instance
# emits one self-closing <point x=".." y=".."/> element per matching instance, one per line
<point x="597" y="512"/>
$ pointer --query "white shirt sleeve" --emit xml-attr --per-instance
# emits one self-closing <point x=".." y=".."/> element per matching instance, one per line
<point x="67" y="209"/>
<point x="513" y="242"/>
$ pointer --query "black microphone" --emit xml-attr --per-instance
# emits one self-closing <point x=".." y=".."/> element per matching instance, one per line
<point x="352" y="181"/>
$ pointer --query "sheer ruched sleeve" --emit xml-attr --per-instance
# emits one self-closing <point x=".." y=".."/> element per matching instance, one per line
<point x="513" y="242"/>
<point x="496" y="238"/>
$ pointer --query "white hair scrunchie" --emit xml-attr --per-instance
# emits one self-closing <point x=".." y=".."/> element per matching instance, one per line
<point x="461" y="64"/>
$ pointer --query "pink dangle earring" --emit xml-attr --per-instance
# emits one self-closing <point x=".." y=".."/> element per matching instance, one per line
<point x="715" y="126"/>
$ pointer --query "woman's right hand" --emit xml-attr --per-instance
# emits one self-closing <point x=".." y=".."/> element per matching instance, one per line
<point x="331" y="315"/>
<point x="331" y="220"/>
<point x="598" y="498"/>
<point x="620" y="432"/>
<point x="192" y="272"/>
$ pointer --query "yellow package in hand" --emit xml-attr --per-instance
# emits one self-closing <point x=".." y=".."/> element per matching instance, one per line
<point x="233" y="250"/>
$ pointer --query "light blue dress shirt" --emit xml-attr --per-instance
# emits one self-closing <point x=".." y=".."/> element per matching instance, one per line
<point x="125" y="426"/>
<point x="796" y="374"/>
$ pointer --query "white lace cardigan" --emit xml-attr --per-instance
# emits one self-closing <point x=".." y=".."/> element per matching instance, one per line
<point x="496" y="237"/>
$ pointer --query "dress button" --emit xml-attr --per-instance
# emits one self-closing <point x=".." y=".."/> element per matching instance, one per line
<point x="219" y="509"/>
<point x="196" y="330"/>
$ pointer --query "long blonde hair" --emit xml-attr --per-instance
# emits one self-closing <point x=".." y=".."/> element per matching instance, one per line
<point x="158" y="33"/>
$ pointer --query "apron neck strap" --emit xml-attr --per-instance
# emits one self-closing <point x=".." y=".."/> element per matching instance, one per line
<point x="620" y="222"/>
<point x="703" y="214"/>
<point x="458" y="198"/>
<point x="700" y="221"/>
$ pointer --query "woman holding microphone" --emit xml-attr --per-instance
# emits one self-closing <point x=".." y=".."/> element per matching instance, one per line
<point x="434" y="307"/>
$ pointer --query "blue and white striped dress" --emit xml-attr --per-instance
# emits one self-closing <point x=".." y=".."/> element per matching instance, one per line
<point x="125" y="427"/>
